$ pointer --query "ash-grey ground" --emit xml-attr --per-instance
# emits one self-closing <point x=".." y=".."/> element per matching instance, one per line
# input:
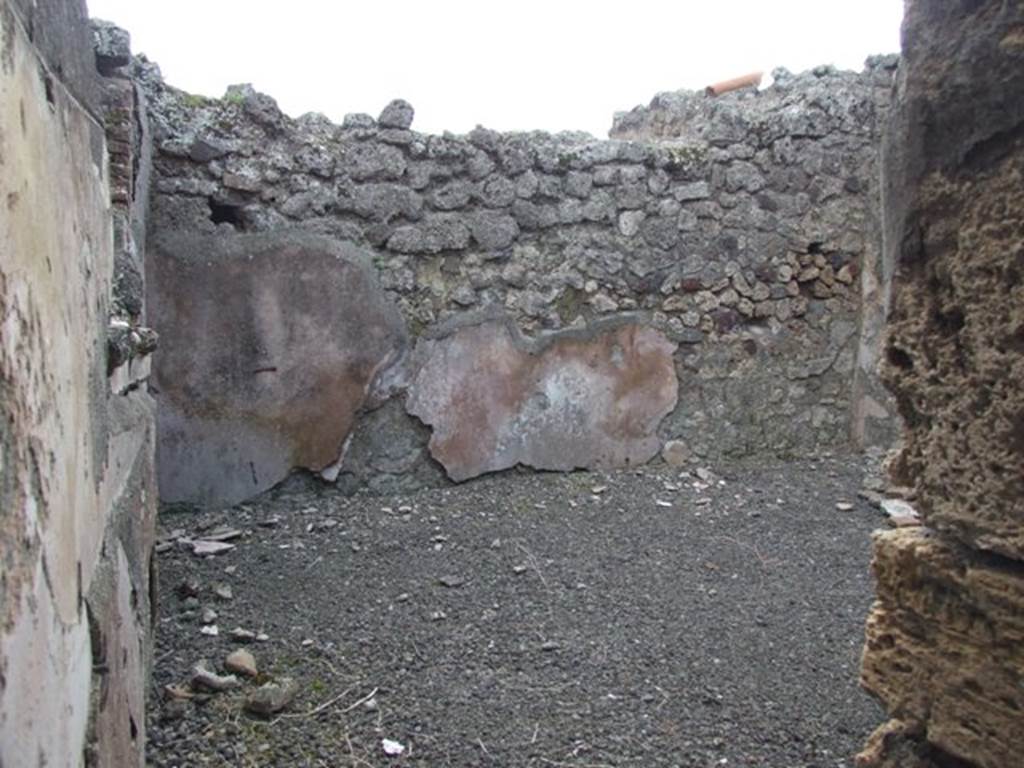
<point x="581" y="628"/>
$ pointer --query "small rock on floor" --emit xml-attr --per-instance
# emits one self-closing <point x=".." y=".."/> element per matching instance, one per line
<point x="676" y="454"/>
<point x="271" y="698"/>
<point x="221" y="533"/>
<point x="241" y="662"/>
<point x="202" y="547"/>
<point x="704" y="474"/>
<point x="204" y="677"/>
<point x="223" y="591"/>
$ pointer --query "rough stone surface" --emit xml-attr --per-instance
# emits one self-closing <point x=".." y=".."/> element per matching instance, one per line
<point x="744" y="241"/>
<point x="945" y="638"/>
<point x="397" y="114"/>
<point x="895" y="744"/>
<point x="111" y="44"/>
<point x="270" y="698"/>
<point x="805" y="106"/>
<point x="571" y="399"/>
<point x="676" y="454"/>
<point x="796" y="118"/>
<point x="387" y="453"/>
<point x="437" y="233"/>
<point x="241" y="662"/>
<point x="77" y="487"/>
<point x="270" y="344"/>
<point x="945" y="647"/>
<point x="955" y="355"/>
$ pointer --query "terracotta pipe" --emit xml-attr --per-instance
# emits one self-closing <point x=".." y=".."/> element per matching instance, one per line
<point x="745" y="81"/>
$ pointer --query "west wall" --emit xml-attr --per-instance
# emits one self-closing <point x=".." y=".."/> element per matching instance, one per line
<point x="738" y="227"/>
<point x="77" y="483"/>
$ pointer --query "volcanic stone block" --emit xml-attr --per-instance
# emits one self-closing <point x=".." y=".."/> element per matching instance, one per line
<point x="440" y="232"/>
<point x="269" y="345"/>
<point x="955" y="355"/>
<point x="895" y="744"/>
<point x="397" y="114"/>
<point x="945" y="647"/>
<point x="570" y="399"/>
<point x="945" y="641"/>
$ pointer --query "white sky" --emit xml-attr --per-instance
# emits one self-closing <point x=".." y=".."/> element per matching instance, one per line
<point x="516" y="65"/>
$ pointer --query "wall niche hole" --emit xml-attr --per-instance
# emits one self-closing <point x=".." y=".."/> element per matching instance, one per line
<point x="225" y="213"/>
<point x="949" y="323"/>
<point x="900" y="359"/>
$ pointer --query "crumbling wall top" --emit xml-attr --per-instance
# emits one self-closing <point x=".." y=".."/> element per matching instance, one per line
<point x="813" y="104"/>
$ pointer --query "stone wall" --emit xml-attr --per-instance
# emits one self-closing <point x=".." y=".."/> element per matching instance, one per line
<point x="738" y="230"/>
<point x="945" y="639"/>
<point x="77" y="486"/>
<point x="822" y="130"/>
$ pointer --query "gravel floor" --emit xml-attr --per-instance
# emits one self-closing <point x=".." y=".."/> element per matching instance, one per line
<point x="618" y="619"/>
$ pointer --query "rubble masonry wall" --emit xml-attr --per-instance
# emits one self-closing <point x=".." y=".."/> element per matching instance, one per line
<point x="740" y="227"/>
